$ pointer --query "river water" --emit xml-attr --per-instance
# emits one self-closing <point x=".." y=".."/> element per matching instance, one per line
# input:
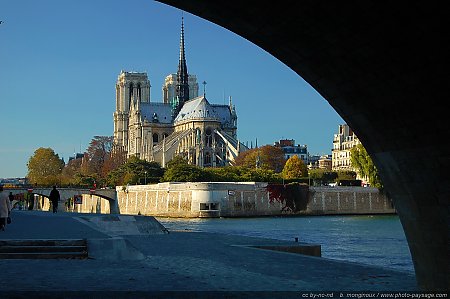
<point x="372" y="240"/>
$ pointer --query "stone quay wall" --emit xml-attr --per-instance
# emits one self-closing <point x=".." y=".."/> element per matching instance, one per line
<point x="244" y="199"/>
<point x="241" y="200"/>
<point x="348" y="200"/>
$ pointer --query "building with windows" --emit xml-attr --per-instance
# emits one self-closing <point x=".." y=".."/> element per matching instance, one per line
<point x="325" y="162"/>
<point x="291" y="149"/>
<point x="184" y="123"/>
<point x="320" y="162"/>
<point x="343" y="142"/>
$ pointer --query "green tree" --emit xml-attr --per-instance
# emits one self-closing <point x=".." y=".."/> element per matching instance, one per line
<point x="259" y="175"/>
<point x="294" y="168"/>
<point x="225" y="174"/>
<point x="241" y="174"/>
<point x="82" y="180"/>
<point x="361" y="161"/>
<point x="69" y="172"/>
<point x="178" y="170"/>
<point x="346" y="175"/>
<point x="269" y="157"/>
<point x="44" y="167"/>
<point x="135" y="171"/>
<point x="322" y="176"/>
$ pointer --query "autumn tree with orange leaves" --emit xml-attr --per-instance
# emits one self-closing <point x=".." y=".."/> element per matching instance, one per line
<point x="270" y="157"/>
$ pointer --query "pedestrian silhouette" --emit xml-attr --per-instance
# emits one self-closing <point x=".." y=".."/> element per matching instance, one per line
<point x="5" y="208"/>
<point x="11" y="196"/>
<point x="54" y="198"/>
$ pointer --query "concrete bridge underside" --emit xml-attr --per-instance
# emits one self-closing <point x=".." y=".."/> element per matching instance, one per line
<point x="383" y="67"/>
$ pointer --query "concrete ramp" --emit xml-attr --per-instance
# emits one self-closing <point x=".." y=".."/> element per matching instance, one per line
<point x="113" y="249"/>
<point x="120" y="225"/>
<point x="116" y="247"/>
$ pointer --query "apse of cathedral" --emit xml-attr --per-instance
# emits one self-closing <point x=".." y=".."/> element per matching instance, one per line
<point x="183" y="124"/>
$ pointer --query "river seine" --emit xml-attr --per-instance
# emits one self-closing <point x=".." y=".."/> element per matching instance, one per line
<point x="372" y="240"/>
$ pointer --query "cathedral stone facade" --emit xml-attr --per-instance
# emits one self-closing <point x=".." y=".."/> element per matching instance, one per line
<point x="182" y="124"/>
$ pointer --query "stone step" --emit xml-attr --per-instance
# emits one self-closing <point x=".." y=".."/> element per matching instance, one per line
<point x="39" y="255"/>
<point x="43" y="242"/>
<point x="36" y="249"/>
<point x="43" y="249"/>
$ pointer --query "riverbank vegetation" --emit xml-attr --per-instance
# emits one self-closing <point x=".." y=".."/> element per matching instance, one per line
<point x="362" y="162"/>
<point x="105" y="165"/>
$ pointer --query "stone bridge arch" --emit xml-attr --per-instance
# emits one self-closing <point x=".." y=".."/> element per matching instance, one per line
<point x="19" y="194"/>
<point x="383" y="68"/>
<point x="66" y="193"/>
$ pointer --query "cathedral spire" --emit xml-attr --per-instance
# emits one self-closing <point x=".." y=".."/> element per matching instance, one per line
<point x="182" y="91"/>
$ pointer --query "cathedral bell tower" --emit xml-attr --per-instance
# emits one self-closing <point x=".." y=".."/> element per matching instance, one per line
<point x="182" y="88"/>
<point x="132" y="88"/>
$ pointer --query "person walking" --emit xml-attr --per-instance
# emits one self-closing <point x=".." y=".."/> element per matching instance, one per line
<point x="5" y="208"/>
<point x="11" y="197"/>
<point x="54" y="198"/>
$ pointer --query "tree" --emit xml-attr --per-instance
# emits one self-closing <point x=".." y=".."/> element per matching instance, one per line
<point x="178" y="170"/>
<point x="98" y="152"/>
<point x="259" y="175"/>
<point x="346" y="175"/>
<point x="241" y="174"/>
<point x="270" y="157"/>
<point x="294" y="168"/>
<point x="225" y="174"/>
<point x="114" y="160"/>
<point x="135" y="171"/>
<point x="322" y="176"/>
<point x="82" y="180"/>
<point x="70" y="171"/>
<point x="361" y="161"/>
<point x="44" y="167"/>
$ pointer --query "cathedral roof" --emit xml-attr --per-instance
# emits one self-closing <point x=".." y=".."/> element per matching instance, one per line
<point x="197" y="108"/>
<point x="163" y="112"/>
<point x="224" y="115"/>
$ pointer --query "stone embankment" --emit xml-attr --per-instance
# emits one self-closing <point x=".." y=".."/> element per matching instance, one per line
<point x="238" y="200"/>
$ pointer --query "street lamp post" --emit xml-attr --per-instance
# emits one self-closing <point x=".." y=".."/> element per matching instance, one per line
<point x="145" y="177"/>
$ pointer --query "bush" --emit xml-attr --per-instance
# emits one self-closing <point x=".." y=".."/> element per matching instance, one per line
<point x="349" y="183"/>
<point x="294" y="196"/>
<point x="178" y="170"/>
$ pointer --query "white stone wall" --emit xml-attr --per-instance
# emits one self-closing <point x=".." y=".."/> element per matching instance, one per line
<point x="348" y="200"/>
<point x="225" y="200"/>
<point x="92" y="204"/>
<point x="242" y="200"/>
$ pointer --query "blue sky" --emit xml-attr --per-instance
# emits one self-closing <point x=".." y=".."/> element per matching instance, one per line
<point x="59" y="62"/>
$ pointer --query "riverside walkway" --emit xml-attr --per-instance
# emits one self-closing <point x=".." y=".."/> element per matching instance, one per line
<point x="135" y="257"/>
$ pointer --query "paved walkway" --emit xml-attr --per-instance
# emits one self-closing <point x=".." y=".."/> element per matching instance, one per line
<point x="168" y="265"/>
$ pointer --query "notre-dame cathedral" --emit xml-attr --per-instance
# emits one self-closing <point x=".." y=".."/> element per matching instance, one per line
<point x="182" y="124"/>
